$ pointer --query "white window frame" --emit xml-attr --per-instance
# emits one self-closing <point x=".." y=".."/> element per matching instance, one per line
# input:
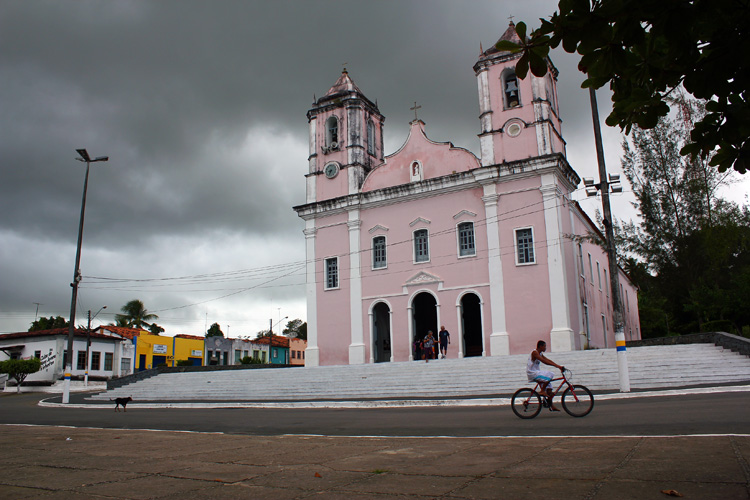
<point x="591" y="269"/>
<point x="327" y="276"/>
<point x="580" y="259"/>
<point x="470" y="251"/>
<point x="385" y="253"/>
<point x="426" y="244"/>
<point x="517" y="249"/>
<point x="599" y="274"/>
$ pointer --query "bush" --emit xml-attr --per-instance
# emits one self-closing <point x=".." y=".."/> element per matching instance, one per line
<point x="184" y="362"/>
<point x="720" y="325"/>
<point x="247" y="360"/>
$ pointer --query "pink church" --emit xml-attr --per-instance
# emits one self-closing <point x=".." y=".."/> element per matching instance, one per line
<point x="433" y="235"/>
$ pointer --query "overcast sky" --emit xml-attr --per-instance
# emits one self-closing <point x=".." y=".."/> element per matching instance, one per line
<point x="200" y="107"/>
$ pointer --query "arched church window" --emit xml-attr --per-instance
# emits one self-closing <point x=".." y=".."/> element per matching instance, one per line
<point x="370" y="138"/>
<point x="510" y="90"/>
<point x="332" y="132"/>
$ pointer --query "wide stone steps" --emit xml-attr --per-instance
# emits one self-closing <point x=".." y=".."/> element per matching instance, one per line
<point x="649" y="367"/>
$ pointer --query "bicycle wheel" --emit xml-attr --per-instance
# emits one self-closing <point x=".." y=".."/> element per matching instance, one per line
<point x="526" y="403"/>
<point x="577" y="401"/>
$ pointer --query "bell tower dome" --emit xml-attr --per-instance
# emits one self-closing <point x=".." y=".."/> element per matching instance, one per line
<point x="346" y="140"/>
<point x="520" y="118"/>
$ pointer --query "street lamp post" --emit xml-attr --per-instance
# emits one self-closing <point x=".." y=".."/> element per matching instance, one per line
<point x="84" y="157"/>
<point x="88" y="345"/>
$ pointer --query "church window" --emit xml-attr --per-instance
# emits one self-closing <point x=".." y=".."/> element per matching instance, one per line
<point x="421" y="246"/>
<point x="370" y="138"/>
<point x="332" y="132"/>
<point x="378" y="253"/>
<point x="466" y="239"/>
<point x="525" y="246"/>
<point x="332" y="273"/>
<point x="510" y="90"/>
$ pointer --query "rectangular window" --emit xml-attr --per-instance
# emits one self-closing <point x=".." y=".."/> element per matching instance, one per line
<point x="525" y="246"/>
<point x="378" y="252"/>
<point x="108" y="361"/>
<point x="256" y="354"/>
<point x="81" y="365"/>
<point x="591" y="269"/>
<point x="604" y="327"/>
<point x="580" y="259"/>
<point x="38" y="354"/>
<point x="606" y="283"/>
<point x="466" y="239"/>
<point x="421" y="246"/>
<point x="332" y="273"/>
<point x="586" y="321"/>
<point x="599" y="275"/>
<point x="96" y="358"/>
<point x="263" y="356"/>
<point x="237" y="357"/>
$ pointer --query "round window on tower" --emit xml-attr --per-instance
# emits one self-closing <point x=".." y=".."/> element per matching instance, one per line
<point x="514" y="129"/>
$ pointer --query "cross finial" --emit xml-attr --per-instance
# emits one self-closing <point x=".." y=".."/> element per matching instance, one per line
<point x="344" y="65"/>
<point x="415" y="108"/>
<point x="511" y="19"/>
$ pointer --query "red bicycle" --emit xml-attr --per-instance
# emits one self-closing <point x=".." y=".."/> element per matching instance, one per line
<point x="577" y="400"/>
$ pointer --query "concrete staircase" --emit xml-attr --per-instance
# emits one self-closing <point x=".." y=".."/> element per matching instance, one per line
<point x="649" y="367"/>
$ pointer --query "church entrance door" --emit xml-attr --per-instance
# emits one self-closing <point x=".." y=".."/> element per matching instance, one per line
<point x="424" y="316"/>
<point x="381" y="327"/>
<point x="471" y="320"/>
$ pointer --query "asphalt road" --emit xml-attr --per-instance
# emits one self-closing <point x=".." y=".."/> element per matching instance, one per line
<point x="721" y="413"/>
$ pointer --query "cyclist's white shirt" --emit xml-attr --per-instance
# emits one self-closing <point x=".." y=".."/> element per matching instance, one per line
<point x="535" y="373"/>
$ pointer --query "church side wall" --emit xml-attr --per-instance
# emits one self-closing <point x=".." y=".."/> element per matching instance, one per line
<point x="526" y="286"/>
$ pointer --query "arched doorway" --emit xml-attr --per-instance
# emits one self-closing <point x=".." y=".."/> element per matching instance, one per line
<point x="424" y="315"/>
<point x="381" y="332"/>
<point x="471" y="324"/>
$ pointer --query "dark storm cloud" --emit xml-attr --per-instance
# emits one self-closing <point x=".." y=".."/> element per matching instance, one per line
<point x="201" y="108"/>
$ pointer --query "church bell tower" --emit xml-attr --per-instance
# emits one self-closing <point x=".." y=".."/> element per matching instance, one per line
<point x="346" y="141"/>
<point x="520" y="119"/>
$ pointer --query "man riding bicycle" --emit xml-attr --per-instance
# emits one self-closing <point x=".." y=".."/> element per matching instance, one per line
<point x="543" y="377"/>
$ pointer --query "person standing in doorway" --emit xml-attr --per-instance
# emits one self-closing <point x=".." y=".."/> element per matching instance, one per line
<point x="444" y="338"/>
<point x="429" y="346"/>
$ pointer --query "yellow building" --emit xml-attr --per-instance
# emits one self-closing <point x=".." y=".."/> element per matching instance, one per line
<point x="152" y="351"/>
<point x="188" y="347"/>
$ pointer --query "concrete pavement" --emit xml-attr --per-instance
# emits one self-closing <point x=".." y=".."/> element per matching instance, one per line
<point x="60" y="462"/>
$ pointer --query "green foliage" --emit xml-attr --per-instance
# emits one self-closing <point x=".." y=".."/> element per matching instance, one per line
<point x="692" y="247"/>
<point x="184" y="362"/>
<point x="134" y="315"/>
<point x="261" y="334"/>
<point x="48" y="323"/>
<point x="19" y="369"/>
<point x="296" y="328"/>
<point x="646" y="50"/>
<point x="214" y="331"/>
<point x="155" y="329"/>
<point x="247" y="360"/>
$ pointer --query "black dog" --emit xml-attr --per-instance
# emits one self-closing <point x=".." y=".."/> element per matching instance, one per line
<point x="121" y="402"/>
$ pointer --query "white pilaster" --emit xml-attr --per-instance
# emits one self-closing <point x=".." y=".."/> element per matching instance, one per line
<point x="562" y="336"/>
<point x="357" y="346"/>
<point x="312" y="353"/>
<point x="499" y="341"/>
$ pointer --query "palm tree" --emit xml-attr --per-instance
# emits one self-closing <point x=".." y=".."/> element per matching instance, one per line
<point x="135" y="315"/>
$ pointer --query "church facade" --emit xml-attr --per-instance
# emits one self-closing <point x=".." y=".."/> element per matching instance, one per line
<point x="492" y="247"/>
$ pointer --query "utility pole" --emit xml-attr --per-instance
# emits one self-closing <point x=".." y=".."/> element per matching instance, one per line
<point x="270" y="339"/>
<point x="614" y="274"/>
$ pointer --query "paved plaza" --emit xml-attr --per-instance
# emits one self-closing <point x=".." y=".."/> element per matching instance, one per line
<point x="48" y="462"/>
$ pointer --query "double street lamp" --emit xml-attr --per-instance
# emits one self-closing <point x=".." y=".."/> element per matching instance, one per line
<point x="83" y="157"/>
